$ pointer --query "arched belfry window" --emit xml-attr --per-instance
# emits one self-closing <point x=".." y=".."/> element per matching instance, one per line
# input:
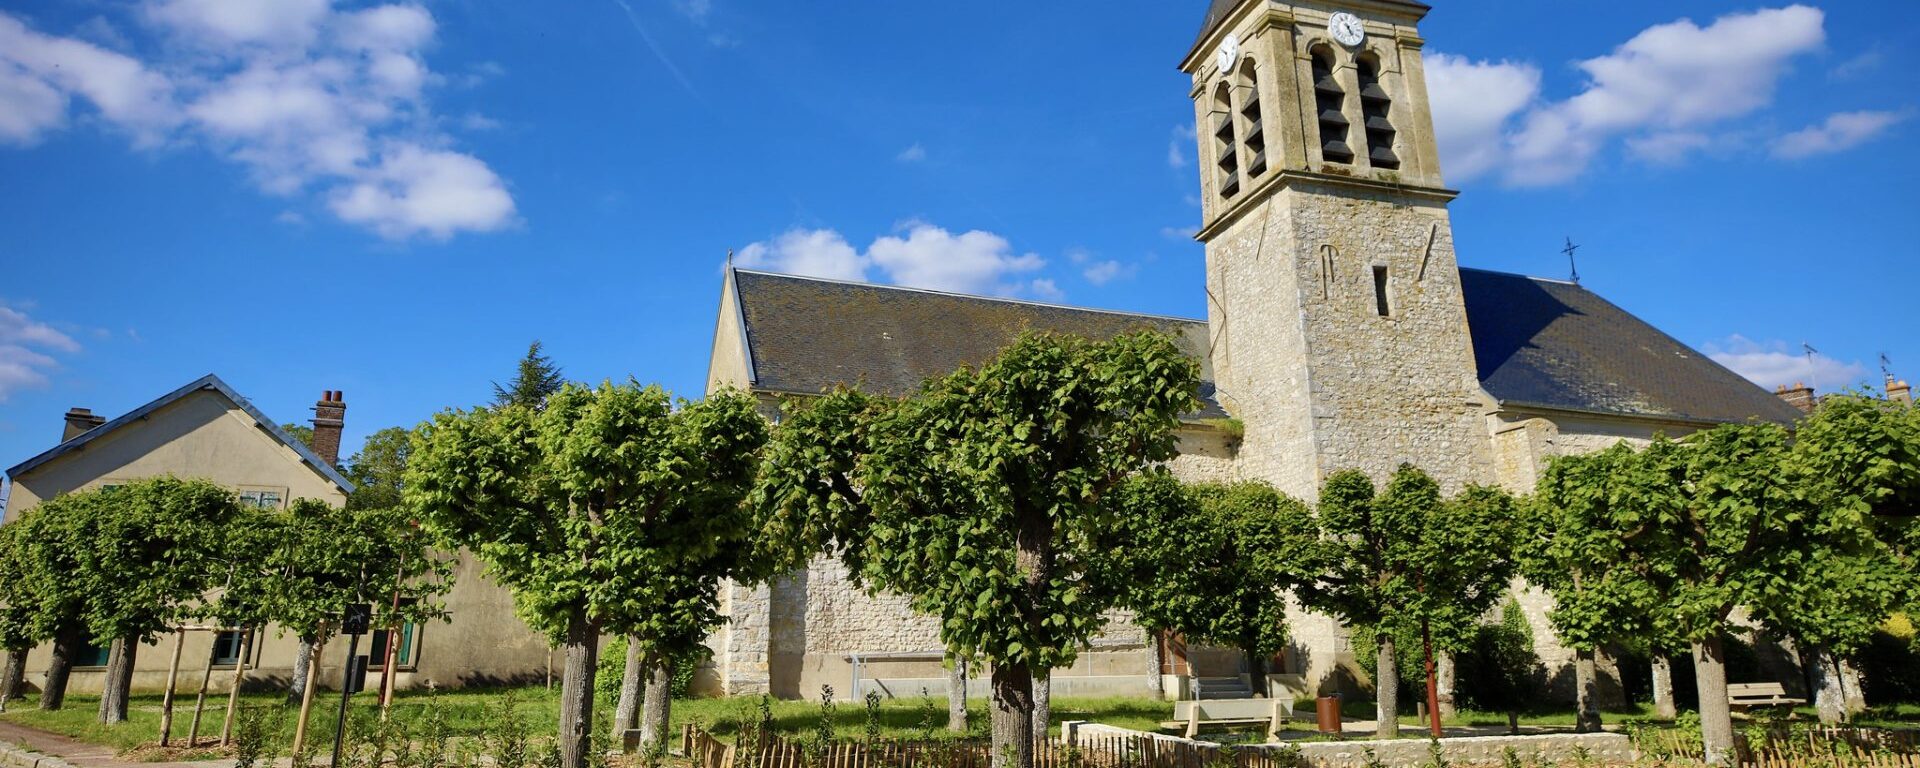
<point x="1253" y="136"/>
<point x="1374" y="107"/>
<point x="1226" y="145"/>
<point x="1329" y="103"/>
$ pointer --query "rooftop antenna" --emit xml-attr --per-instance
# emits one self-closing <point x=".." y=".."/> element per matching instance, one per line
<point x="1813" y="374"/>
<point x="1571" y="265"/>
<point x="1886" y="368"/>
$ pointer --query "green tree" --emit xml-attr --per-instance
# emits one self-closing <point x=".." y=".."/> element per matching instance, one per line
<point x="608" y="510"/>
<point x="17" y="636"/>
<point x="301" y="433"/>
<point x="1574" y="550"/>
<point x="1408" y="563"/>
<point x="534" y="380"/>
<point x="1858" y="459"/>
<point x="980" y="497"/>
<point x="1214" y="562"/>
<point x="378" y="469"/>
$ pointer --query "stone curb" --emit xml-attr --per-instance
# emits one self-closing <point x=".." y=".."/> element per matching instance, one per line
<point x="14" y="756"/>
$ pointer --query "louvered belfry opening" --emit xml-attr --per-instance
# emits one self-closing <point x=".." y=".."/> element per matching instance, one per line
<point x="1330" y="103"/>
<point x="1253" y="130"/>
<point x="1227" y="157"/>
<point x="1374" y="106"/>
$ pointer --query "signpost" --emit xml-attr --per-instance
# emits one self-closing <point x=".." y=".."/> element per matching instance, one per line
<point x="353" y="623"/>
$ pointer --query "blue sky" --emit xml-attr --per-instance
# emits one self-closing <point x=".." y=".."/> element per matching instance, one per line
<point x="393" y="200"/>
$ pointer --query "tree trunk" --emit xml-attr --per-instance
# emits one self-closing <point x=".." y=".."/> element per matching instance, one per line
<point x="14" y="676"/>
<point x="1716" y="718"/>
<point x="1663" y="706"/>
<point x="53" y="694"/>
<point x="1828" y="697"/>
<point x="302" y="666"/>
<point x="1257" y="674"/>
<point x="1012" y="717"/>
<point x="1851" y="683"/>
<point x="1386" y="691"/>
<point x="1042" y="703"/>
<point x="118" y="681"/>
<point x="1586" y="690"/>
<point x="956" y="694"/>
<point x="1445" y="672"/>
<point x="626" y="714"/>
<point x="1154" y="664"/>
<point x="658" y="708"/>
<point x="1513" y="723"/>
<point x="576" y="690"/>
<point x="233" y="690"/>
<point x="200" y="699"/>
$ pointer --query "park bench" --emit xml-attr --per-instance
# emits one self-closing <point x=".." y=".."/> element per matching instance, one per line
<point x="1191" y="717"/>
<point x="1749" y="695"/>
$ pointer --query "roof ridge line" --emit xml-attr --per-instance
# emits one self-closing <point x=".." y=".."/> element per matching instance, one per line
<point x="1525" y="275"/>
<point x="958" y="295"/>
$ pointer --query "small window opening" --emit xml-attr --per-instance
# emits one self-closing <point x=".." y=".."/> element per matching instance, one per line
<point x="1381" y="304"/>
<point x="1329" y="102"/>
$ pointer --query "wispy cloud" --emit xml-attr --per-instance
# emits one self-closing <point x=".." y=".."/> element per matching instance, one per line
<point x="308" y="97"/>
<point x="1182" y="143"/>
<point x="1776" y="363"/>
<point x="913" y="154"/>
<point x="27" y="347"/>
<point x="653" y="45"/>
<point x="1840" y="132"/>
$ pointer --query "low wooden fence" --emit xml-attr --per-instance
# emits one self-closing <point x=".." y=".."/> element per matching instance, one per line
<point x="1874" y="747"/>
<point x="705" y="751"/>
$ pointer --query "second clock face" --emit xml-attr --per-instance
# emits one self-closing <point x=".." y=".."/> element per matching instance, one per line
<point x="1346" y="28"/>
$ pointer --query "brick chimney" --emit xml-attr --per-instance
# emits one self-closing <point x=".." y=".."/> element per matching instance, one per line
<point x="1799" y="396"/>
<point x="79" y="420"/>
<point x="329" y="416"/>
<point x="1898" y="391"/>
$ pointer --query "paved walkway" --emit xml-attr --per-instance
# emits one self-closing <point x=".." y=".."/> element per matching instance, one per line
<point x="80" y="754"/>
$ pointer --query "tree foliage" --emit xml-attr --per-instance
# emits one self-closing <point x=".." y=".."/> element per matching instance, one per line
<point x="310" y="561"/>
<point x="980" y="496"/>
<point x="606" y="510"/>
<point x="1500" y="671"/>
<point x="378" y="469"/>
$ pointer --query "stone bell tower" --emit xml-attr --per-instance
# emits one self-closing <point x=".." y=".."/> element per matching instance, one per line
<point x="1338" y="333"/>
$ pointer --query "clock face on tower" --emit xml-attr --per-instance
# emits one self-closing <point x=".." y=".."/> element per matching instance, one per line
<point x="1346" y="29"/>
<point x="1229" y="53"/>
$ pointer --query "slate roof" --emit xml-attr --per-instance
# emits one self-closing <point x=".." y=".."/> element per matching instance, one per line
<point x="1555" y="344"/>
<point x="207" y="382"/>
<point x="806" y="335"/>
<point x="1541" y="343"/>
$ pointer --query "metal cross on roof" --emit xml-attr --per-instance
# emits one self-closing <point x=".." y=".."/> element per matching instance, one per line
<point x="1571" y="266"/>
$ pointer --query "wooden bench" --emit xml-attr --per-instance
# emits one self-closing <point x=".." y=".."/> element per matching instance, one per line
<point x="1749" y="695"/>
<point x="1190" y="717"/>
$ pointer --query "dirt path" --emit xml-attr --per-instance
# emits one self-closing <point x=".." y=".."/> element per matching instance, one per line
<point x="80" y="754"/>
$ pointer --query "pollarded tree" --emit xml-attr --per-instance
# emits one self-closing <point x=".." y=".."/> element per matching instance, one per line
<point x="1408" y="563"/>
<point x="595" y="511"/>
<point x="16" y="609"/>
<point x="1858" y="459"/>
<point x="981" y="497"/>
<point x="1214" y="562"/>
<point x="1573" y="549"/>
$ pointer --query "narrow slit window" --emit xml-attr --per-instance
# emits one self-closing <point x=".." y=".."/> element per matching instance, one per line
<point x="1381" y="303"/>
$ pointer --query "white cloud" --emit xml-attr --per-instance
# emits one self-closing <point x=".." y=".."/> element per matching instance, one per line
<point x="810" y="252"/>
<point x="697" y="10"/>
<point x="920" y="256"/>
<point x="25" y="347"/>
<point x="1472" y="103"/>
<point x="1044" y="287"/>
<point x="1669" y="148"/>
<point x="913" y="154"/>
<point x="305" y="96"/>
<point x="1670" y="80"/>
<point x="1183" y="234"/>
<point x="1775" y="363"/>
<point x="1177" y="147"/>
<point x="1840" y="132"/>
<point x="1103" y="272"/>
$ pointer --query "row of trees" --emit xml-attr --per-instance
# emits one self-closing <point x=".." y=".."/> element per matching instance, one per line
<point x="132" y="564"/>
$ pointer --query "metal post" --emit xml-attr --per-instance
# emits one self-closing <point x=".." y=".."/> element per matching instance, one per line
<point x="346" y="692"/>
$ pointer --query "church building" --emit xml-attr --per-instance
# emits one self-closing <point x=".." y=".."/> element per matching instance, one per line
<point x="1341" y="333"/>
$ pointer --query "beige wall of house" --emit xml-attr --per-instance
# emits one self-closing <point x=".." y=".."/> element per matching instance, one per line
<point x="201" y="435"/>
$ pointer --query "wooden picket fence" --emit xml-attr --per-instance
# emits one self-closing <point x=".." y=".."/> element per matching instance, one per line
<point x="1821" y="746"/>
<point x="705" y="751"/>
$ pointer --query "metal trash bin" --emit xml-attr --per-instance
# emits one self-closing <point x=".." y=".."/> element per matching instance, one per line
<point x="1327" y="710"/>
